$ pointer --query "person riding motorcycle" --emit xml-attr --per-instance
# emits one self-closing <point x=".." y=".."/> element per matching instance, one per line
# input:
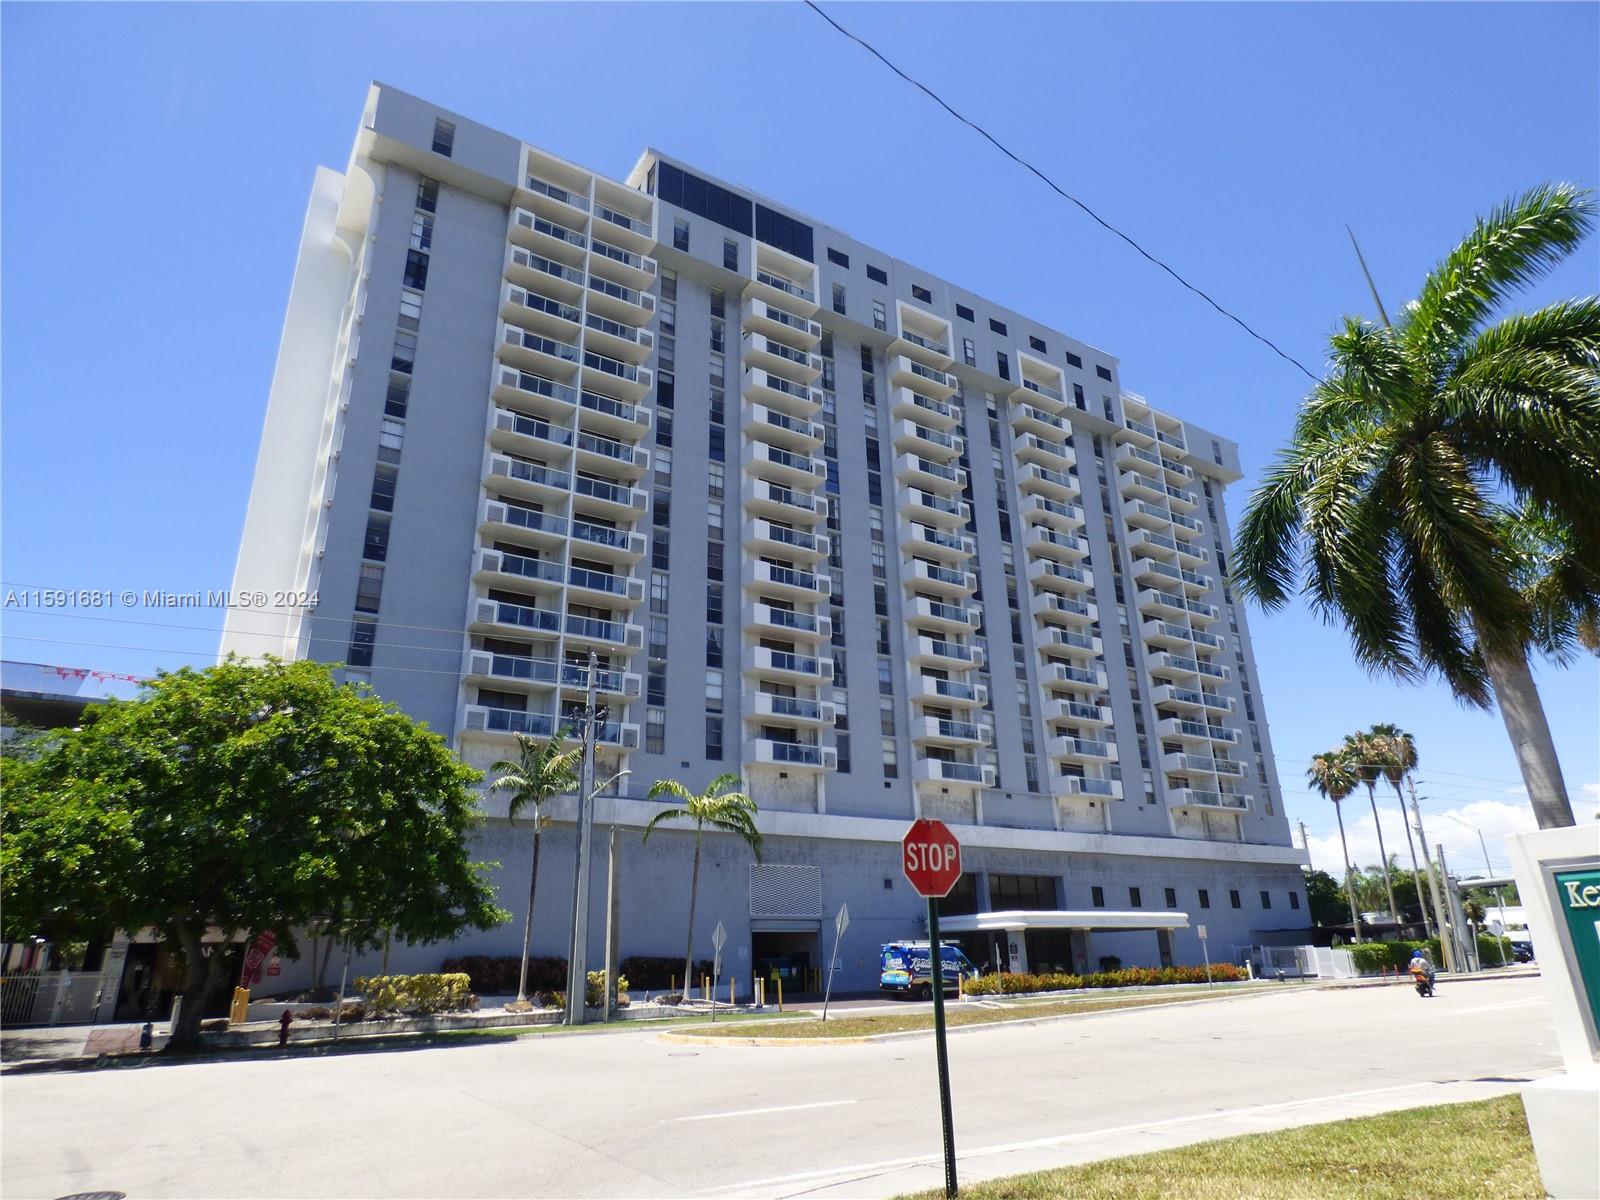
<point x="1422" y="973"/>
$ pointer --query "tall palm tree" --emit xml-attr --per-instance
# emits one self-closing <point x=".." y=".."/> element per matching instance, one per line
<point x="1365" y="755"/>
<point x="540" y="772"/>
<point x="1396" y="750"/>
<point x="718" y="806"/>
<point x="1334" y="775"/>
<point x="1393" y="495"/>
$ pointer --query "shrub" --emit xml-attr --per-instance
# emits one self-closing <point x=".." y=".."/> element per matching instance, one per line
<point x="1020" y="983"/>
<point x="653" y="971"/>
<point x="496" y="975"/>
<point x="594" y="991"/>
<point x="1488" y="956"/>
<point x="1110" y="962"/>
<point x="419" y="994"/>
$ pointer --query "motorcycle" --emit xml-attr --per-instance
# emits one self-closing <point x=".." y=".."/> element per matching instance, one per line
<point x="1424" y="983"/>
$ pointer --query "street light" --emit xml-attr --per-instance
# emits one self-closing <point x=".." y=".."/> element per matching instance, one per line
<point x="1499" y="942"/>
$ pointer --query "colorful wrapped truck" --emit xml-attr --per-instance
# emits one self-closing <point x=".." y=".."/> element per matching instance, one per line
<point x="906" y="969"/>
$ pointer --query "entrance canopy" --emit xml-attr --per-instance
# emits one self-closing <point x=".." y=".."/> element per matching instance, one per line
<point x="1099" y="918"/>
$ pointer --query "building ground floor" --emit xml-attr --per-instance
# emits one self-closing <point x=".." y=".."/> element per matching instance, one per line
<point x="1114" y="900"/>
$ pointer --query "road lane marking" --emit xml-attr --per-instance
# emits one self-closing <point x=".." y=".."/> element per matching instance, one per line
<point x="1461" y="1012"/>
<point x="756" y="1112"/>
<point x="1062" y="1139"/>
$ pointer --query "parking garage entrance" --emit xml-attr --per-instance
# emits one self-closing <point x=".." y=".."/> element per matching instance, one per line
<point x="790" y="956"/>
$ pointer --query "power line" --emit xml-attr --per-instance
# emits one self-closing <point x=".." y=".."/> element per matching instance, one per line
<point x="1058" y="189"/>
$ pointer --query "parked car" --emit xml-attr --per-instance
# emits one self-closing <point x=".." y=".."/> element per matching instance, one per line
<point x="906" y="970"/>
<point x="1522" y="951"/>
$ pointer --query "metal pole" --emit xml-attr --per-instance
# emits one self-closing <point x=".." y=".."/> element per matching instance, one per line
<point x="338" y="1008"/>
<point x="1204" y="950"/>
<point x="1433" y="883"/>
<point x="1305" y="844"/>
<point x="611" y="925"/>
<point x="577" y="964"/>
<point x="947" y="1127"/>
<point x="1466" y="950"/>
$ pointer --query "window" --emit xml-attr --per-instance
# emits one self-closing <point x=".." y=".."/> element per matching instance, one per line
<point x="428" y="195"/>
<point x="363" y="636"/>
<point x="1233" y="898"/>
<point x="369" y="588"/>
<point x="444" y="136"/>
<point x="1172" y="897"/>
<point x="680" y="234"/>
<point x="1205" y="898"/>
<point x="997" y="327"/>
<point x="1033" y="893"/>
<point x="877" y="274"/>
<point x="421" y="231"/>
<point x="1002" y="364"/>
<point x="1073" y="360"/>
<point x="1135" y="900"/>
<point x="390" y="439"/>
<point x="410" y="309"/>
<point x="376" y="543"/>
<point x="969" y="352"/>
<point x="399" y="395"/>
<point x="880" y="315"/>
<point x="655" y="730"/>
<point x="713" y="738"/>
<point x="730" y="254"/>
<point x="1266" y="899"/>
<point x="713" y="691"/>
<point x="964" y="312"/>
<point x="1037" y="344"/>
<point x="1098" y="896"/>
<point x="837" y="259"/>
<point x="838" y="298"/>
<point x="1103" y="372"/>
<point x="1294" y="900"/>
<point x="416" y="269"/>
<point x="918" y="292"/>
<point x="891" y="759"/>
<point x="383" y="485"/>
<point x="404" y="354"/>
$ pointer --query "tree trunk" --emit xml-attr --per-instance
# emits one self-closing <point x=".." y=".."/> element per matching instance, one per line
<point x="1518" y="698"/>
<point x="694" y="885"/>
<point x="201" y="975"/>
<point x="1349" y="888"/>
<point x="1383" y="855"/>
<point x="1416" y="867"/>
<point x="527" y="921"/>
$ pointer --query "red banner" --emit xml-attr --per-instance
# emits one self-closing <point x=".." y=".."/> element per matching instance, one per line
<point x="257" y="955"/>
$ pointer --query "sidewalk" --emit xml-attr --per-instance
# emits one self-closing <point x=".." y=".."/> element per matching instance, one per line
<point x="1520" y="971"/>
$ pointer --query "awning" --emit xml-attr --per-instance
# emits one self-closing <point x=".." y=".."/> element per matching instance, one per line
<point x="1098" y="918"/>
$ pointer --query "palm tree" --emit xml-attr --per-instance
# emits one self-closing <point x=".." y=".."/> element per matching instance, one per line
<point x="1334" y="775"/>
<point x="1408" y="461"/>
<point x="1396" y="751"/>
<point x="1365" y="755"/>
<point x="540" y="772"/>
<point x="718" y="806"/>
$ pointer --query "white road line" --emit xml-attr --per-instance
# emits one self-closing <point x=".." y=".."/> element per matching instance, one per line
<point x="1461" y="1012"/>
<point x="1063" y="1139"/>
<point x="756" y="1112"/>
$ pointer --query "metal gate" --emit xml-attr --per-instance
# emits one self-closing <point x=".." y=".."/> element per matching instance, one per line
<point x="53" y="997"/>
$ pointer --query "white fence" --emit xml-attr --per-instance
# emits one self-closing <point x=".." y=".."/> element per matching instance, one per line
<point x="1301" y="962"/>
<point x="55" y="997"/>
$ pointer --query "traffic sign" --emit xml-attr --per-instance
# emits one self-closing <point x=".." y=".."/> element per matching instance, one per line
<point x="931" y="858"/>
<point x="1201" y="930"/>
<point x="719" y="937"/>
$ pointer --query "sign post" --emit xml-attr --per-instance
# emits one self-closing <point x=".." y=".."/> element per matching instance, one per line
<point x="931" y="860"/>
<point x="1201" y="930"/>
<point x="840" y="924"/>
<point x="719" y="937"/>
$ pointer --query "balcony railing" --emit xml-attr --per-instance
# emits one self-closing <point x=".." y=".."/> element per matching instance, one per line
<point x="538" y="262"/>
<point x="527" y="518"/>
<point x="597" y="630"/>
<point x="615" y="493"/>
<point x="529" y="340"/>
<point x="510" y="720"/>
<point x="603" y="535"/>
<point x="538" y="224"/>
<point x="792" y="706"/>
<point x="784" y="285"/>
<point x="623" y="220"/>
<point x="535" y="184"/>
<point x="527" y="472"/>
<point x="1054" y="393"/>
<point x="538" y="385"/>
<point x="523" y="616"/>
<point x="626" y="257"/>
<point x="605" y="404"/>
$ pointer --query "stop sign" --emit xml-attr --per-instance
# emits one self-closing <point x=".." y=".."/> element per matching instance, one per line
<point x="931" y="858"/>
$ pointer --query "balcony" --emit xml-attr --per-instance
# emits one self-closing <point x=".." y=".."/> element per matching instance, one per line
<point x="479" y="719"/>
<point x="762" y="618"/>
<point x="517" y="433"/>
<point x="538" y="273"/>
<point x="1068" y="642"/>
<point x="1052" y="395"/>
<point x="1178" y="637"/>
<point x="1157" y="602"/>
<point x="608" y="498"/>
<point x="932" y="542"/>
<point x="540" y="313"/>
<point x="941" y="478"/>
<point x="920" y="439"/>
<point x="614" y="377"/>
<point x="625" y="266"/>
<point x="1063" y="547"/>
<point x="501" y="568"/>
<point x="1042" y="481"/>
<point x="604" y="636"/>
<point x="1025" y="418"/>
<point x="1201" y="764"/>
<point x="1058" y="577"/>
<point x="1166" y="663"/>
<point x="1054" y="513"/>
<point x="1191" y="798"/>
<point x="929" y="688"/>
<point x="524" y="673"/>
<point x="771" y="354"/>
<point x="780" y="322"/>
<point x="1066" y="675"/>
<point x="588" y="586"/>
<point x="775" y="289"/>
<point x="517" y="620"/>
<point x="791" y="708"/>
<point x="956" y="618"/>
<point x="609" y="683"/>
<point x="939" y="652"/>
<point x="535" y="481"/>
<point x="804" y="756"/>
<point x="1153" y="572"/>
<point x="619" y="302"/>
<point x="608" y="542"/>
<point x="919" y="377"/>
<point x="774" y="391"/>
<point x="1079" y="712"/>
<point x="1065" y="610"/>
<point x="552" y="238"/>
<point x="922" y="575"/>
<point x="1197" y="731"/>
<point x="764" y="537"/>
<point x="567" y="204"/>
<point x="916" y="505"/>
<point x="530" y="351"/>
<point x="785" y="466"/>
<point x="1140" y="433"/>
<point x="786" y="666"/>
<point x="1186" y="699"/>
<point x="617" y="339"/>
<point x="597" y="453"/>
<point x="1080" y="750"/>
<point x="626" y="227"/>
<point x="1080" y="785"/>
<point x="924" y="410"/>
<point x="789" y="583"/>
<point x="951" y="773"/>
<point x="1158" y="545"/>
<point x="940" y="731"/>
<point x="1049" y="453"/>
<point x="607" y="414"/>
<point x="528" y="392"/>
<point x="779" y="428"/>
<point x="1172" y="438"/>
<point x="617" y="733"/>
<point x="499" y="519"/>
<point x="763" y="498"/>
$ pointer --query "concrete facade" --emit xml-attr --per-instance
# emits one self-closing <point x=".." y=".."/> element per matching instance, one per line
<point x="880" y="547"/>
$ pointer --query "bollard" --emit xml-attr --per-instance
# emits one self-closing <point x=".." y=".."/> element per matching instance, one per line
<point x="780" y="993"/>
<point x="730" y="992"/>
<point x="673" y="986"/>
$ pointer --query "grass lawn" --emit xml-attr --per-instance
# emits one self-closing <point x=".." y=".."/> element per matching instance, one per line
<point x="955" y="1014"/>
<point x="1481" y="1149"/>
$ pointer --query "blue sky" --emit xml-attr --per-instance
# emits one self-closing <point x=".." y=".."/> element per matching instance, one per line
<point x="158" y="159"/>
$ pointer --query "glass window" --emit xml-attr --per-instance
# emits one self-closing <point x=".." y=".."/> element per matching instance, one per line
<point x="444" y="136"/>
<point x="1036" y="344"/>
<point x="369" y="588"/>
<point x="964" y="312"/>
<point x="918" y="292"/>
<point x="877" y="274"/>
<point x="680" y="234"/>
<point x="838" y="259"/>
<point x="1097" y="896"/>
<point x="1073" y="360"/>
<point x="363" y="636"/>
<point x="880" y="315"/>
<point x="730" y="254"/>
<point x="997" y="327"/>
<point x="838" y="298"/>
<point x="1205" y="898"/>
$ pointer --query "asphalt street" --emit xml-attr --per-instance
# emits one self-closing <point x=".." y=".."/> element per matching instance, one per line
<point x="630" y="1114"/>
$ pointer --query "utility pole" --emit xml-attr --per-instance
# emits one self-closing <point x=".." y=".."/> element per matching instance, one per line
<point x="612" y="912"/>
<point x="1305" y="843"/>
<point x="1466" y="950"/>
<point x="1488" y="873"/>
<point x="577" y="965"/>
<point x="1433" y="884"/>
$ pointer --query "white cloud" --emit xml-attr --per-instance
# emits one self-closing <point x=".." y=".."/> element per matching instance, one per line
<point x="1463" y="851"/>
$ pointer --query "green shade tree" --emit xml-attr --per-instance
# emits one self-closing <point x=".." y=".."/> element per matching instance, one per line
<point x="718" y="806"/>
<point x="541" y="771"/>
<point x="242" y="798"/>
<point x="1323" y="899"/>
<point x="1334" y="776"/>
<point x="1427" y="444"/>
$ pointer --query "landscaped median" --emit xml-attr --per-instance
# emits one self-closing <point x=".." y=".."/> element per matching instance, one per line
<point x="1481" y="1149"/>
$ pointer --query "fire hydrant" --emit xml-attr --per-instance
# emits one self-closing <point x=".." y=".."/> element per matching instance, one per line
<point x="147" y="1036"/>
<point x="283" y="1027"/>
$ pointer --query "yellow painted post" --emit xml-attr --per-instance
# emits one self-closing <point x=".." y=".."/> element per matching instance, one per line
<point x="674" y="985"/>
<point x="780" y="993"/>
<point x="730" y="991"/>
